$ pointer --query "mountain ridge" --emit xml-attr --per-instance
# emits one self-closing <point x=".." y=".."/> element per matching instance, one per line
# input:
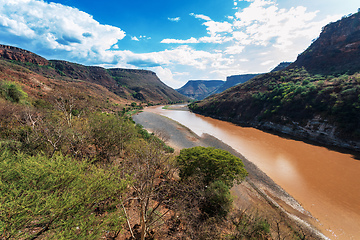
<point x="130" y="84"/>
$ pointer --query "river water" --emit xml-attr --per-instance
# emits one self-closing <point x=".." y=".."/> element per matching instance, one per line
<point x="325" y="182"/>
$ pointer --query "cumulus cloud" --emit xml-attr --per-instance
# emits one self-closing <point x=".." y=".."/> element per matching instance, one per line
<point x="236" y="49"/>
<point x="52" y="26"/>
<point x="216" y="30"/>
<point x="134" y="38"/>
<point x="263" y="23"/>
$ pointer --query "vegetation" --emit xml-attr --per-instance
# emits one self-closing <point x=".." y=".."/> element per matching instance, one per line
<point x="57" y="198"/>
<point x="12" y="91"/>
<point x="292" y="96"/>
<point x="212" y="164"/>
<point x="73" y="165"/>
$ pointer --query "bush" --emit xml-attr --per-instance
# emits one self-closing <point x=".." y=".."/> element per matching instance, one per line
<point x="218" y="200"/>
<point x="213" y="164"/>
<point x="57" y="198"/>
<point x="12" y="92"/>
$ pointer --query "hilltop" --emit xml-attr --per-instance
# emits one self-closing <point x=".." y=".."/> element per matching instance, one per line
<point x="317" y="97"/>
<point x="200" y="89"/>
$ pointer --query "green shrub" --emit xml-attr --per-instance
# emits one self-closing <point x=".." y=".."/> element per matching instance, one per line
<point x="12" y="92"/>
<point x="213" y="164"/>
<point x="218" y="200"/>
<point x="57" y="198"/>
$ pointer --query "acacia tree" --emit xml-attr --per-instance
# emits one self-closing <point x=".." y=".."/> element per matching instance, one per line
<point x="217" y="170"/>
<point x="110" y="133"/>
<point x="213" y="164"/>
<point x="149" y="166"/>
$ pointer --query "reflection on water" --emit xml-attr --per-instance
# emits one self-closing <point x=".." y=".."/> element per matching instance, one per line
<point x="325" y="182"/>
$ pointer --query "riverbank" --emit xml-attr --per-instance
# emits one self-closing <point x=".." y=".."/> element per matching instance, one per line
<point x="259" y="194"/>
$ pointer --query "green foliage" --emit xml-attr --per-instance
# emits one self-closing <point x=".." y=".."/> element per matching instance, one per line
<point x="218" y="200"/>
<point x="110" y="133"/>
<point x="213" y="164"/>
<point x="57" y="198"/>
<point x="250" y="227"/>
<point x="12" y="92"/>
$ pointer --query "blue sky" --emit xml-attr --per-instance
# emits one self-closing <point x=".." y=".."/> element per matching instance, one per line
<point x="179" y="40"/>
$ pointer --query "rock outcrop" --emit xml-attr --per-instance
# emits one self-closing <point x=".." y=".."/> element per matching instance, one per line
<point x="21" y="55"/>
<point x="336" y="51"/>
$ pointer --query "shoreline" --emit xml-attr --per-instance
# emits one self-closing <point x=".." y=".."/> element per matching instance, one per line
<point x="261" y="190"/>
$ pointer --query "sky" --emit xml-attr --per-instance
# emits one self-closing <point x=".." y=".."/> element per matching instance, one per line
<point x="179" y="40"/>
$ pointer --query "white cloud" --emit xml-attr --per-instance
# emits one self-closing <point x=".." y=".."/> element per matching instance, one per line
<point x="54" y="26"/>
<point x="166" y="76"/>
<point x="176" y="19"/>
<point x="217" y="27"/>
<point x="263" y="23"/>
<point x="236" y="49"/>
<point x="216" y="30"/>
<point x="134" y="38"/>
<point x="201" y="16"/>
<point x="267" y="62"/>
<point x="180" y="41"/>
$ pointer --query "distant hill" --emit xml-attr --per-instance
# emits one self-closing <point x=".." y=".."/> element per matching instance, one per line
<point x="317" y="97"/>
<point x="199" y="89"/>
<point x="130" y="84"/>
<point x="281" y="66"/>
<point x="234" y="80"/>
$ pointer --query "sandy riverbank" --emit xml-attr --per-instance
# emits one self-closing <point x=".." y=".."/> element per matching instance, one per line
<point x="258" y="194"/>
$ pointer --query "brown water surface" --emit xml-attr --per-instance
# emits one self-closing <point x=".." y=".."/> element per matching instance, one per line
<point x="325" y="182"/>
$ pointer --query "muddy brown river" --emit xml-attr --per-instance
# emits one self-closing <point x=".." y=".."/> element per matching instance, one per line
<point x="325" y="182"/>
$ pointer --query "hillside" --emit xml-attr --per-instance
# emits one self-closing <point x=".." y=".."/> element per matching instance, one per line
<point x="131" y="85"/>
<point x="281" y="66"/>
<point x="321" y="107"/>
<point x="199" y="89"/>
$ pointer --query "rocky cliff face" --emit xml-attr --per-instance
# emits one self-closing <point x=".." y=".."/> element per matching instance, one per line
<point x="336" y="51"/>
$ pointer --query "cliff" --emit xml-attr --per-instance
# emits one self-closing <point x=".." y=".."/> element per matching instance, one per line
<point x="336" y="51"/>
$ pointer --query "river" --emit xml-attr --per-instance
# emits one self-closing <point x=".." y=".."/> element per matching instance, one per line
<point x="325" y="182"/>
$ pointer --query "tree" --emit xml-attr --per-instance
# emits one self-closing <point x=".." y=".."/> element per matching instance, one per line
<point x="149" y="166"/>
<point x="110" y="133"/>
<point x="213" y="164"/>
